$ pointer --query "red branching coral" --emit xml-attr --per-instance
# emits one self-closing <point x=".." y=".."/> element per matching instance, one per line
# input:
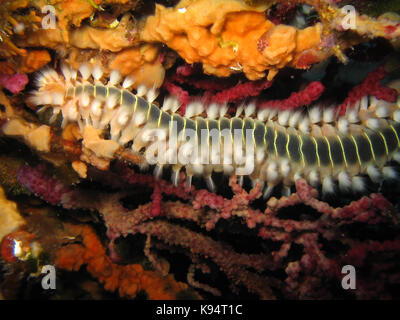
<point x="323" y="238"/>
<point x="14" y="83"/>
<point x="370" y="86"/>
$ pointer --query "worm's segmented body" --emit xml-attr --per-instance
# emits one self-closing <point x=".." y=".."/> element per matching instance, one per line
<point x="276" y="146"/>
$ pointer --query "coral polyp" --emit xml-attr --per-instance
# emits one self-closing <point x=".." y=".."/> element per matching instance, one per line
<point x="199" y="149"/>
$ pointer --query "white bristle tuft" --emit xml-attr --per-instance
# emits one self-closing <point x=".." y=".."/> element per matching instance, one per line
<point x="212" y="111"/>
<point x="167" y="105"/>
<point x="267" y="192"/>
<point x="111" y="101"/>
<point x="389" y="173"/>
<point x="239" y="111"/>
<point x="382" y="111"/>
<point x="84" y="70"/>
<point x="115" y="78"/>
<point x="223" y="110"/>
<point x="84" y="100"/>
<point x="175" y="104"/>
<point x="364" y="103"/>
<point x="139" y="119"/>
<point x="343" y="125"/>
<point x="328" y="186"/>
<point x="352" y="116"/>
<point x="74" y="74"/>
<point x="294" y="118"/>
<point x="304" y="125"/>
<point x="315" y="114"/>
<point x="123" y="118"/>
<point x="128" y="82"/>
<point x="313" y="178"/>
<point x="396" y="116"/>
<point x="97" y="72"/>
<point x="374" y="173"/>
<point x="57" y="99"/>
<point x="141" y="90"/>
<point x="250" y="109"/>
<point x="297" y="176"/>
<point x="329" y="115"/>
<point x="285" y="167"/>
<point x="95" y="108"/>
<point x="190" y="110"/>
<point x="158" y="172"/>
<point x="66" y="71"/>
<point x="175" y="177"/>
<point x="286" y="192"/>
<point x="262" y="115"/>
<point x="272" y="172"/>
<point x="152" y="95"/>
<point x="373" y="124"/>
<point x="396" y="157"/>
<point x="272" y="114"/>
<point x="358" y="184"/>
<point x="344" y="181"/>
<point x="283" y="117"/>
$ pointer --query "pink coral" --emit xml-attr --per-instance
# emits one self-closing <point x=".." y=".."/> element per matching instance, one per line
<point x="14" y="83"/>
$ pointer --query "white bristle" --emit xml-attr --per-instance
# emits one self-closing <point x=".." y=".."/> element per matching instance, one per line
<point x="239" y="111"/>
<point x="175" y="177"/>
<point x="190" y="110"/>
<point x="74" y="74"/>
<point x="285" y="167"/>
<point x="358" y="184"/>
<point x="139" y="118"/>
<point x="352" y="116"/>
<point x="267" y="192"/>
<point x="128" y="82"/>
<point x="374" y="173"/>
<point x="97" y="72"/>
<point x="158" y="172"/>
<point x="262" y="115"/>
<point x="313" y="178"/>
<point x="389" y="173"/>
<point x="111" y="101"/>
<point x="329" y="115"/>
<point x="58" y="99"/>
<point x="175" y="104"/>
<point x="240" y="180"/>
<point x="167" y="105"/>
<point x="73" y="113"/>
<point x="66" y="71"/>
<point x="115" y="78"/>
<point x="212" y="111"/>
<point x="286" y="192"/>
<point x="294" y="118"/>
<point x="152" y="95"/>
<point x="283" y="117"/>
<point x="254" y="182"/>
<point x="84" y="70"/>
<point x="373" y="124"/>
<point x="95" y="108"/>
<point x="297" y="176"/>
<point x="396" y="116"/>
<point x="364" y="103"/>
<point x="272" y="114"/>
<point x="84" y="100"/>
<point x="382" y="111"/>
<point x="304" y="125"/>
<point x="223" y="110"/>
<point x="396" y="157"/>
<point x="272" y="172"/>
<point x="355" y="106"/>
<point x="315" y="114"/>
<point x="343" y="125"/>
<point x="344" y="181"/>
<point x="123" y="118"/>
<point x="141" y="90"/>
<point x="328" y="186"/>
<point x="250" y="109"/>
